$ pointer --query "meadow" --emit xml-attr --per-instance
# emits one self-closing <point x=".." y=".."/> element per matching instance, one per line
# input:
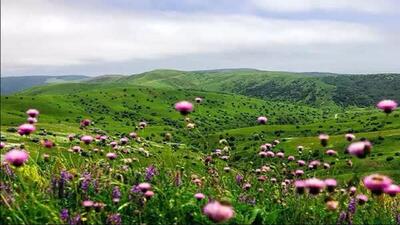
<point x="119" y="150"/>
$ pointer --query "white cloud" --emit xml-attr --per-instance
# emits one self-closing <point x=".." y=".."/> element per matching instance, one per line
<point x="39" y="33"/>
<point x="368" y="6"/>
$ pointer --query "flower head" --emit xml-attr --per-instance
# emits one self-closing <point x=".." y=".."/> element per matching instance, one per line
<point x="314" y="185"/>
<point x="387" y="106"/>
<point x="218" y="212"/>
<point x="392" y="190"/>
<point x="16" y="157"/>
<point x="32" y="112"/>
<point x="377" y="183"/>
<point x="26" y="129"/>
<point x="184" y="107"/>
<point x="262" y="120"/>
<point x="87" y="139"/>
<point x="360" y="149"/>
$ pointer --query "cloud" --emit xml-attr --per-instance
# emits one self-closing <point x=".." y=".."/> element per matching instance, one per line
<point x="50" y="34"/>
<point x="367" y="6"/>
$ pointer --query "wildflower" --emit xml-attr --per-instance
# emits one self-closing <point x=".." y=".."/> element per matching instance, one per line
<point x="301" y="162"/>
<point x="2" y="145"/>
<point x="280" y="154"/>
<point x="300" y="186"/>
<point x="47" y="143"/>
<point x="198" y="99"/>
<point x="331" y="152"/>
<point x="332" y="205"/>
<point x="184" y="107"/>
<point x="377" y="183"/>
<point x="26" y="129"/>
<point x="87" y="204"/>
<point x="350" y="137"/>
<point x="262" y="120"/>
<point x="330" y="184"/>
<point x="133" y="135"/>
<point x="387" y="106"/>
<point x="324" y="139"/>
<point x="32" y="112"/>
<point x="352" y="206"/>
<point x="116" y="194"/>
<point x="291" y="158"/>
<point x="87" y="139"/>
<point x="362" y="199"/>
<point x="199" y="196"/>
<point x="144" y="187"/>
<point x="314" y="185"/>
<point x="360" y="149"/>
<point x="85" y="122"/>
<point x="64" y="215"/>
<point x="218" y="212"/>
<point x="392" y="190"/>
<point x="16" y="157"/>
<point x="114" y="219"/>
<point x="31" y="120"/>
<point x="149" y="194"/>
<point x="239" y="179"/>
<point x="150" y="172"/>
<point x="111" y="155"/>
<point x="299" y="173"/>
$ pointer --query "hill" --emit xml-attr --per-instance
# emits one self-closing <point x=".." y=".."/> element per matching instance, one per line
<point x="11" y="85"/>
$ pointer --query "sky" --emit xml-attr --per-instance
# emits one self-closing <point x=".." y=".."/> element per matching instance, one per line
<point x="95" y="37"/>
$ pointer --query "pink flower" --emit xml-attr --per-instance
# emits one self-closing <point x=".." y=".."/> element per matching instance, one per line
<point x="392" y="190"/>
<point x="300" y="186"/>
<point x="362" y="199"/>
<point x="71" y="137"/>
<point x="300" y="148"/>
<point x="123" y="140"/>
<point x="262" y="120"/>
<point x="360" y="149"/>
<point x="331" y="184"/>
<point x="149" y="194"/>
<point x="301" y="162"/>
<point x="87" y="203"/>
<point x="85" y="122"/>
<point x="387" y="106"/>
<point x="299" y="172"/>
<point x="16" y="157"/>
<point x="87" y="139"/>
<point x="291" y="158"/>
<point x="144" y="187"/>
<point x="199" y="196"/>
<point x="314" y="185"/>
<point x="377" y="183"/>
<point x="218" y="212"/>
<point x="133" y="135"/>
<point x="184" y="107"/>
<point x="246" y="186"/>
<point x="31" y="120"/>
<point x="111" y="155"/>
<point x="270" y="154"/>
<point x="350" y="137"/>
<point x="26" y="129"/>
<point x="331" y="152"/>
<point x="2" y="145"/>
<point x="262" y="154"/>
<point x="142" y="124"/>
<point x="352" y="190"/>
<point x="198" y="99"/>
<point x="280" y="154"/>
<point x="324" y="139"/>
<point x="76" y="148"/>
<point x="32" y="112"/>
<point x="47" y="144"/>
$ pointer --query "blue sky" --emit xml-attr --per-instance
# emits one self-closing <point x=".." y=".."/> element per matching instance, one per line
<point x="91" y="37"/>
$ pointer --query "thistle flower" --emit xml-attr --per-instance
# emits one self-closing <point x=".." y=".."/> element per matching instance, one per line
<point x="149" y="194"/>
<point x="331" y="152"/>
<point x="300" y="186"/>
<point x="377" y="183"/>
<point x="150" y="172"/>
<point x="47" y="143"/>
<point x="184" y="107"/>
<point x="239" y="179"/>
<point x="2" y="145"/>
<point x="392" y="190"/>
<point x="198" y="99"/>
<point x="330" y="184"/>
<point x="262" y="120"/>
<point x="116" y="194"/>
<point x="360" y="149"/>
<point x="218" y="212"/>
<point x="32" y="112"/>
<point x="133" y="135"/>
<point x="387" y="106"/>
<point x="300" y="148"/>
<point x="291" y="158"/>
<point x="301" y="162"/>
<point x="31" y="120"/>
<point x="16" y="157"/>
<point x="142" y="125"/>
<point x="246" y="186"/>
<point x="123" y="141"/>
<point x="144" y="187"/>
<point x="85" y="122"/>
<point x="64" y="215"/>
<point x="352" y="206"/>
<point x="350" y="137"/>
<point x="362" y="199"/>
<point x="114" y="219"/>
<point x="87" y="139"/>
<point x="111" y="155"/>
<point x="299" y="173"/>
<point x="199" y="196"/>
<point x="87" y="204"/>
<point x="280" y="154"/>
<point x="270" y="154"/>
<point x="314" y="185"/>
<point x="324" y="139"/>
<point x="26" y="129"/>
<point x="86" y="181"/>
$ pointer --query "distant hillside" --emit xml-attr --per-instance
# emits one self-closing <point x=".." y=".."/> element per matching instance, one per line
<point x="310" y="88"/>
<point x="14" y="84"/>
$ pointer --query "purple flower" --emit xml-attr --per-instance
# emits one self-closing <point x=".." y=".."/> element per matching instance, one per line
<point x="150" y="172"/>
<point x="114" y="219"/>
<point x="76" y="220"/>
<point x="64" y="215"/>
<point x="86" y="181"/>
<point x="352" y="206"/>
<point x="342" y="217"/>
<point x="239" y="179"/>
<point x="116" y="194"/>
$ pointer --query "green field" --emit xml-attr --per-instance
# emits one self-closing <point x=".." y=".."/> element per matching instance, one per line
<point x="299" y="107"/>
